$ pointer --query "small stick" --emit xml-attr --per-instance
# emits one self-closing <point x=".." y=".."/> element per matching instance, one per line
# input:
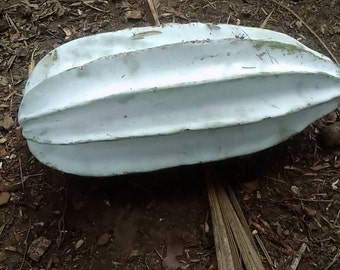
<point x="224" y="253"/>
<point x="336" y="257"/>
<point x="2" y="228"/>
<point x="32" y="62"/>
<point x="297" y="257"/>
<point x="160" y="255"/>
<point x="309" y="29"/>
<point x="336" y="219"/>
<point x="21" y="176"/>
<point x="93" y="7"/>
<point x="240" y="214"/>
<point x="263" y="25"/>
<point x="10" y="21"/>
<point x="153" y="11"/>
<point x="264" y="250"/>
<point x="26" y="245"/>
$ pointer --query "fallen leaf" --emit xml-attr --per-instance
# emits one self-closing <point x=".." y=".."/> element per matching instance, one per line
<point x="3" y="256"/>
<point x="7" y="122"/>
<point x="3" y="140"/>
<point x="310" y="211"/>
<point x="4" y="197"/>
<point x="79" y="243"/>
<point x="68" y="32"/>
<point x="174" y="248"/>
<point x="59" y="9"/>
<point x="38" y="248"/>
<point x="104" y="239"/>
<point x="134" y="253"/>
<point x="251" y="186"/>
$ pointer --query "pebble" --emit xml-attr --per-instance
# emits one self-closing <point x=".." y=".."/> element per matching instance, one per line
<point x="104" y="239"/>
<point x="330" y="136"/>
<point x="4" y="197"/>
<point x="286" y="232"/>
<point x="38" y="248"/>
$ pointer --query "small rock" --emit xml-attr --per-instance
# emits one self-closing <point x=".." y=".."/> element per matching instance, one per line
<point x="3" y="256"/>
<point x="4" y="197"/>
<point x="286" y="232"/>
<point x="133" y="15"/>
<point x="330" y="136"/>
<point x="7" y="122"/>
<point x="298" y="24"/>
<point x="336" y="29"/>
<point x="258" y="194"/>
<point x="38" y="248"/>
<point x="295" y="190"/>
<point x="104" y="239"/>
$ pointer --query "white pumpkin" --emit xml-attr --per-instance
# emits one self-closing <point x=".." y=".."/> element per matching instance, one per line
<point x="149" y="98"/>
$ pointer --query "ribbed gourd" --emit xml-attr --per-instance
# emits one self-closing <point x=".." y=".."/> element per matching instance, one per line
<point x="148" y="98"/>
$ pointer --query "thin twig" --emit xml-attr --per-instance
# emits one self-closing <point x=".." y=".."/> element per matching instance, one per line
<point x="297" y="257"/>
<point x="153" y="11"/>
<point x="10" y="21"/>
<point x="312" y="200"/>
<point x="21" y="176"/>
<point x="26" y="245"/>
<point x="336" y="219"/>
<point x="336" y="257"/>
<point x="263" y="25"/>
<point x="160" y="255"/>
<point x="309" y="29"/>
<point x="264" y="250"/>
<point x="223" y="245"/>
<point x="240" y="214"/>
<point x="2" y="228"/>
<point x="93" y="7"/>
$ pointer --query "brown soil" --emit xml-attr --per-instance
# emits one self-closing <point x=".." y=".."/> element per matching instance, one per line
<point x="159" y="220"/>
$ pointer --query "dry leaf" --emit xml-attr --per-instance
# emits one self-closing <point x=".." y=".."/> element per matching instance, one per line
<point x="68" y="32"/>
<point x="3" y="140"/>
<point x="174" y="248"/>
<point x="59" y="9"/>
<point x="4" y="197"/>
<point x="104" y="239"/>
<point x="79" y="243"/>
<point x="7" y="122"/>
<point x="133" y="15"/>
<point x="251" y="186"/>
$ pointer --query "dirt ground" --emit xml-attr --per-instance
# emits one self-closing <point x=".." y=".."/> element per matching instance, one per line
<point x="160" y="220"/>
